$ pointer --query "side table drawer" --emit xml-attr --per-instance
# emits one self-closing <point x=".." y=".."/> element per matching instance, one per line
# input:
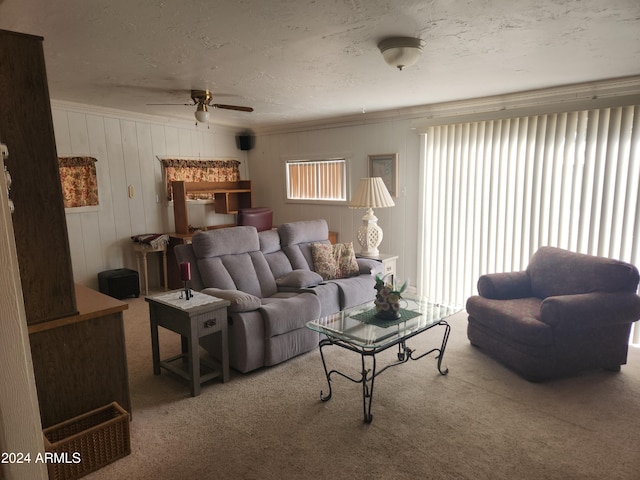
<point x="211" y="322"/>
<point x="389" y="266"/>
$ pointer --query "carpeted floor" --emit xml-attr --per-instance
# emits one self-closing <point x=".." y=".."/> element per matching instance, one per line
<point x="481" y="421"/>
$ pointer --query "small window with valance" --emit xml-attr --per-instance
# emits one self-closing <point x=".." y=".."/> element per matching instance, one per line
<point x="199" y="171"/>
<point x="79" y="181"/>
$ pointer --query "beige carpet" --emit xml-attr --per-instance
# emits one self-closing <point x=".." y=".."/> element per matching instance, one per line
<point x="479" y="422"/>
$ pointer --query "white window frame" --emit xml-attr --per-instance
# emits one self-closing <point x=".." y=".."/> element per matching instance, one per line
<point x="318" y="159"/>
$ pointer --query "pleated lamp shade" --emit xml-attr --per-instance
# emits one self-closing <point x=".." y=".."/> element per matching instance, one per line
<point x="371" y="193"/>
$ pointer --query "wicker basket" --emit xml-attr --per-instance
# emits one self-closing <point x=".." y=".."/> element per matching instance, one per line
<point x="87" y="442"/>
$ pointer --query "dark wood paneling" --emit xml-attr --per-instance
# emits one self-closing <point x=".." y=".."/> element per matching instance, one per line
<point x="39" y="222"/>
<point x="80" y="367"/>
<point x="80" y="362"/>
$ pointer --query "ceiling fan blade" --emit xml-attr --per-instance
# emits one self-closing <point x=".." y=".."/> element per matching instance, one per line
<point x="232" y="107"/>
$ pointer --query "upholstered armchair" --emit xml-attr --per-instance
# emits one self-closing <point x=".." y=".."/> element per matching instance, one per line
<point x="567" y="312"/>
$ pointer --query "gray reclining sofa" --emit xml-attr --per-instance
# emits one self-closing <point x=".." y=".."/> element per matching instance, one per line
<point x="269" y="279"/>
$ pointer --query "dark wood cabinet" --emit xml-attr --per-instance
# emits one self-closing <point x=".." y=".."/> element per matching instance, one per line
<point x="39" y="222"/>
<point x="80" y="362"/>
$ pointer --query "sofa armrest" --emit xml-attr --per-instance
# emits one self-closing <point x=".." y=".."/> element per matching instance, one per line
<point x="240" y="301"/>
<point x="369" y="266"/>
<point x="504" y="286"/>
<point x="298" y="279"/>
<point x="590" y="310"/>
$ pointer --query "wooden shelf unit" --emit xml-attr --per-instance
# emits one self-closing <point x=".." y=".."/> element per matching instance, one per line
<point x="229" y="197"/>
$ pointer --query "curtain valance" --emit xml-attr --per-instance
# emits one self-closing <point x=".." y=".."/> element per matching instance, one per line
<point x="199" y="171"/>
<point x="79" y="181"/>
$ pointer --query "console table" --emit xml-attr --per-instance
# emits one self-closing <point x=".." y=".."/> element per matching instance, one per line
<point x="193" y="319"/>
<point x="141" y="250"/>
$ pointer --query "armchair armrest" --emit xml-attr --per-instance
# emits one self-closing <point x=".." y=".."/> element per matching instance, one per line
<point x="504" y="286"/>
<point x="590" y="310"/>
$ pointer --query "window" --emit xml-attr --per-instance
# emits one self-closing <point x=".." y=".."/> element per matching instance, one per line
<point x="317" y="179"/>
<point x="495" y="191"/>
<point x="79" y="181"/>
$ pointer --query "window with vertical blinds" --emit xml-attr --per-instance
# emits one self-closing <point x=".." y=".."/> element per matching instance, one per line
<point x="317" y="180"/>
<point x="495" y="191"/>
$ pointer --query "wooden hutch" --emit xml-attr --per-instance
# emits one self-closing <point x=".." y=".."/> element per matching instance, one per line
<point x="228" y="198"/>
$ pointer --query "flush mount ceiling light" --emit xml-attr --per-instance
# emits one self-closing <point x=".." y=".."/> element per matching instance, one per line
<point x="401" y="52"/>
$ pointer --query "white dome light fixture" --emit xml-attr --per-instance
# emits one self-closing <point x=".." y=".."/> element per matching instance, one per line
<point x="202" y="114"/>
<point x="401" y="52"/>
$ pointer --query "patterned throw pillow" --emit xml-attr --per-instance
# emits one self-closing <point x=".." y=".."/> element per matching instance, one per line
<point x="334" y="261"/>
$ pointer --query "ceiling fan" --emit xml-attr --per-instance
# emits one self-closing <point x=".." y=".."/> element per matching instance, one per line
<point x="202" y="101"/>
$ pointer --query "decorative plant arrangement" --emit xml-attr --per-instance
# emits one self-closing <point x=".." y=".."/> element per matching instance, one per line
<point x="387" y="300"/>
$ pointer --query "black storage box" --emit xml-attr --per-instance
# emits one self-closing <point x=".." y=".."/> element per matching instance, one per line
<point x="119" y="283"/>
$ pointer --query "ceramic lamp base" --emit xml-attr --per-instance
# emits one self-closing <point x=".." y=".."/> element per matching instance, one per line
<point x="369" y="235"/>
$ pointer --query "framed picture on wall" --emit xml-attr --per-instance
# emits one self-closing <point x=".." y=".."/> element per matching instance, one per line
<point x="386" y="167"/>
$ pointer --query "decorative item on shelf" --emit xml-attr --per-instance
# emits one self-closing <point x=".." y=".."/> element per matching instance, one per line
<point x="371" y="193"/>
<point x="185" y="275"/>
<point x="387" y="300"/>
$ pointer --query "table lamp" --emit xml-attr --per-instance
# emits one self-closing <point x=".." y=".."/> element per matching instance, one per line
<point x="371" y="193"/>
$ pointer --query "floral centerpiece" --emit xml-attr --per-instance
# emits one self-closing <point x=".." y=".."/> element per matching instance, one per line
<point x="387" y="300"/>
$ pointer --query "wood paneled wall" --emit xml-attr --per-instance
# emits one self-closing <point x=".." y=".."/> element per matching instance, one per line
<point x="127" y="149"/>
<point x="399" y="223"/>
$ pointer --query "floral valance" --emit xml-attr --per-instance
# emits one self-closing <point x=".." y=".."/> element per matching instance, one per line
<point x="79" y="181"/>
<point x="199" y="171"/>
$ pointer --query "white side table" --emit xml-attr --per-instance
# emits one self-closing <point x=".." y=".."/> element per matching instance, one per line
<point x="389" y="263"/>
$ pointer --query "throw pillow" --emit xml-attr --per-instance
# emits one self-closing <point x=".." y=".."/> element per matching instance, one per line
<point x="323" y="262"/>
<point x="334" y="261"/>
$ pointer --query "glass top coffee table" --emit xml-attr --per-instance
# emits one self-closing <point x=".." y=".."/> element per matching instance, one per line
<point x="359" y="330"/>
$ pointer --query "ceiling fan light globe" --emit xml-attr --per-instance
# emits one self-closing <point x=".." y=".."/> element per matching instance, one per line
<point x="202" y="115"/>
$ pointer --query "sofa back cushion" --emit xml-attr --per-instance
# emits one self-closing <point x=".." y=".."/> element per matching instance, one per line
<point x="230" y="259"/>
<point x="554" y="271"/>
<point x="296" y="239"/>
<point x="272" y="251"/>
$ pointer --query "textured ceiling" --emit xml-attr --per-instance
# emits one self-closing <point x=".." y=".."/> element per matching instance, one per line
<point x="302" y="60"/>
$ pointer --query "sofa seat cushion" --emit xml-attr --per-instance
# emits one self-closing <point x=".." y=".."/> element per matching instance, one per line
<point x="517" y="319"/>
<point x="283" y="313"/>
